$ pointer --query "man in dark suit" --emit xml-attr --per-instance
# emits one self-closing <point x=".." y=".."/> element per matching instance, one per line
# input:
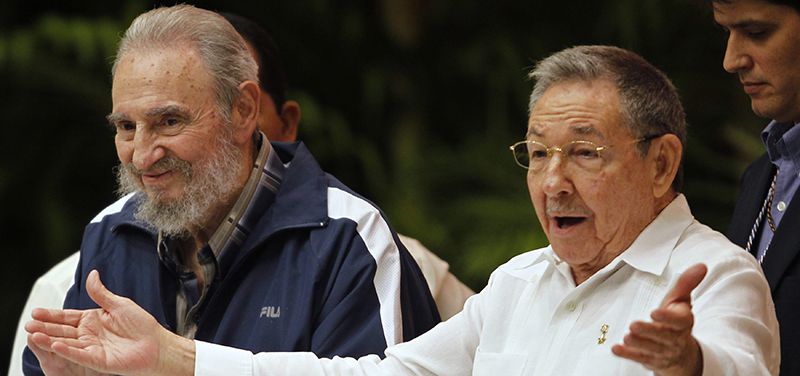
<point x="763" y="50"/>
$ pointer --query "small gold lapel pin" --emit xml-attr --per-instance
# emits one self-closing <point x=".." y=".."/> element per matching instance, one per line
<point x="603" y="330"/>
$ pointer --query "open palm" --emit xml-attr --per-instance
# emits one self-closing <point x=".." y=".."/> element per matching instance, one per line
<point x="119" y="337"/>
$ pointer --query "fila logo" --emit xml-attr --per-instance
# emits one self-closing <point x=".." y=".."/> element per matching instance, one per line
<point x="270" y="312"/>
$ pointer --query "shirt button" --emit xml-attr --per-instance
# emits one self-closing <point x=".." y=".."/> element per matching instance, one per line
<point x="658" y="281"/>
<point x="571" y="306"/>
<point x="781" y="206"/>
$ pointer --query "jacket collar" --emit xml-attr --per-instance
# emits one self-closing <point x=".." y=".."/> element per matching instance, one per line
<point x="302" y="199"/>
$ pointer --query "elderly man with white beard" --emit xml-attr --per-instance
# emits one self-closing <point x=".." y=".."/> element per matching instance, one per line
<point x="222" y="236"/>
<point x="631" y="283"/>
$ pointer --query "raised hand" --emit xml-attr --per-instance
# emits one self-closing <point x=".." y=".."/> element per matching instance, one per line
<point x="666" y="345"/>
<point x="119" y="337"/>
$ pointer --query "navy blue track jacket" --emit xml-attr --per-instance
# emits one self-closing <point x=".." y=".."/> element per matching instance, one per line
<point x="322" y="272"/>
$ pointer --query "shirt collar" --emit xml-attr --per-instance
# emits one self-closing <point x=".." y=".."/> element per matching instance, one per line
<point x="546" y="255"/>
<point x="266" y="175"/>
<point x="777" y="138"/>
<point x="651" y="250"/>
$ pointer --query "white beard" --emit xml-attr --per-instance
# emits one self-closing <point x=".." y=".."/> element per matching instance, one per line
<point x="208" y="184"/>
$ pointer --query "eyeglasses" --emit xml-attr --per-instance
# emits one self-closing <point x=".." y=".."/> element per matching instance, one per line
<point x="534" y="155"/>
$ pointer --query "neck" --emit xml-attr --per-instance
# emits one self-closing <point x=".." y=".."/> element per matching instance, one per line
<point x="664" y="201"/>
<point x="580" y="273"/>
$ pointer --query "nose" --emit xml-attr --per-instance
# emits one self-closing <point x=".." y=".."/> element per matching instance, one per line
<point x="146" y="148"/>
<point x="736" y="58"/>
<point x="555" y="177"/>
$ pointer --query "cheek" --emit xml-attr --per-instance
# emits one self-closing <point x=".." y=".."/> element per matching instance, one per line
<point x="592" y="192"/>
<point x="616" y="200"/>
<point x="602" y="195"/>
<point x="124" y="150"/>
<point x="538" y="199"/>
<point x="192" y="145"/>
<point x="535" y="190"/>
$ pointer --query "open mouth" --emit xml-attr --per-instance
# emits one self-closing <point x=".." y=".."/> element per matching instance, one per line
<point x="567" y="222"/>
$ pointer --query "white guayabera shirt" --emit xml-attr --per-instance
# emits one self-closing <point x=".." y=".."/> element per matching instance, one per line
<point x="531" y="319"/>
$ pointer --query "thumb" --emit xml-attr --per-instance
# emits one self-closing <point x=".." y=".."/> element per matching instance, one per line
<point x="687" y="282"/>
<point x="99" y="293"/>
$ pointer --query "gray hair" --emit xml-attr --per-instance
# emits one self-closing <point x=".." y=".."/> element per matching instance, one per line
<point x="649" y="101"/>
<point x="222" y="50"/>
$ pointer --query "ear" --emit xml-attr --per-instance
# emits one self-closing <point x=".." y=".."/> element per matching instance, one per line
<point x="290" y="115"/>
<point x="244" y="114"/>
<point x="665" y="152"/>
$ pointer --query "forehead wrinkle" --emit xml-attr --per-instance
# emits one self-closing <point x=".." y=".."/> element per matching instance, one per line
<point x="567" y="113"/>
<point x="582" y="130"/>
<point x="586" y="130"/>
<point x="578" y="122"/>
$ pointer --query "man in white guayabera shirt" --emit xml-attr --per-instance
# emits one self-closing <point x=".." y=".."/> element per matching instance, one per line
<point x="630" y="284"/>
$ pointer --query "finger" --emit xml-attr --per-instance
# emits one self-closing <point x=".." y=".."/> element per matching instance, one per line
<point x="99" y="293"/>
<point x="58" y="316"/>
<point x="676" y="316"/>
<point x="633" y="354"/>
<point x="49" y="360"/>
<point x="75" y="354"/>
<point x="687" y="282"/>
<point x="43" y="354"/>
<point x="644" y="345"/>
<point x="40" y="340"/>
<point x="52" y="330"/>
<point x="654" y="332"/>
<point x="71" y="342"/>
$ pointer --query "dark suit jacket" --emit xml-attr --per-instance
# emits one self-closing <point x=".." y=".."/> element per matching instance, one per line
<point x="782" y="262"/>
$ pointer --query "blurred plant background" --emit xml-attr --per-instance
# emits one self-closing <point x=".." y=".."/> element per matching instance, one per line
<point x="410" y="102"/>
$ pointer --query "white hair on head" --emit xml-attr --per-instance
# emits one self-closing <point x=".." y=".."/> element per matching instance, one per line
<point x="221" y="49"/>
<point x="649" y="101"/>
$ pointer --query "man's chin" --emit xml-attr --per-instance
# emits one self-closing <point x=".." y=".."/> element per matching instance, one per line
<point x="167" y="216"/>
<point x="766" y="107"/>
<point x="160" y="196"/>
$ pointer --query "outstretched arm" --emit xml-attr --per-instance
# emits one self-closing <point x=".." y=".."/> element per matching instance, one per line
<point x="120" y="337"/>
<point x="666" y="345"/>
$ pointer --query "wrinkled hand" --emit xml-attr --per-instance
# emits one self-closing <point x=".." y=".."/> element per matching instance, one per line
<point x="52" y="364"/>
<point x="666" y="345"/>
<point x="119" y="337"/>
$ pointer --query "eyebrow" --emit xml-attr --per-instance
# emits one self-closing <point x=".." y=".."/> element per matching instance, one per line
<point x="586" y="130"/>
<point x="169" y="110"/>
<point x="115" y="117"/>
<point x="747" y="22"/>
<point x="580" y="129"/>
<point x="172" y="110"/>
<point x="533" y="132"/>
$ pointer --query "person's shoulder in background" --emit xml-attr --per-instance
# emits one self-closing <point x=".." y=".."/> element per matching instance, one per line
<point x="448" y="292"/>
<point x="47" y="292"/>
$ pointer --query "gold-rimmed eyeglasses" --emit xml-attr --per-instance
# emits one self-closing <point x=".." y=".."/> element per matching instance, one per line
<point x="534" y="155"/>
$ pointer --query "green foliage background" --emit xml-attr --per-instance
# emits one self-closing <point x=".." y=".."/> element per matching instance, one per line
<point x="410" y="102"/>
